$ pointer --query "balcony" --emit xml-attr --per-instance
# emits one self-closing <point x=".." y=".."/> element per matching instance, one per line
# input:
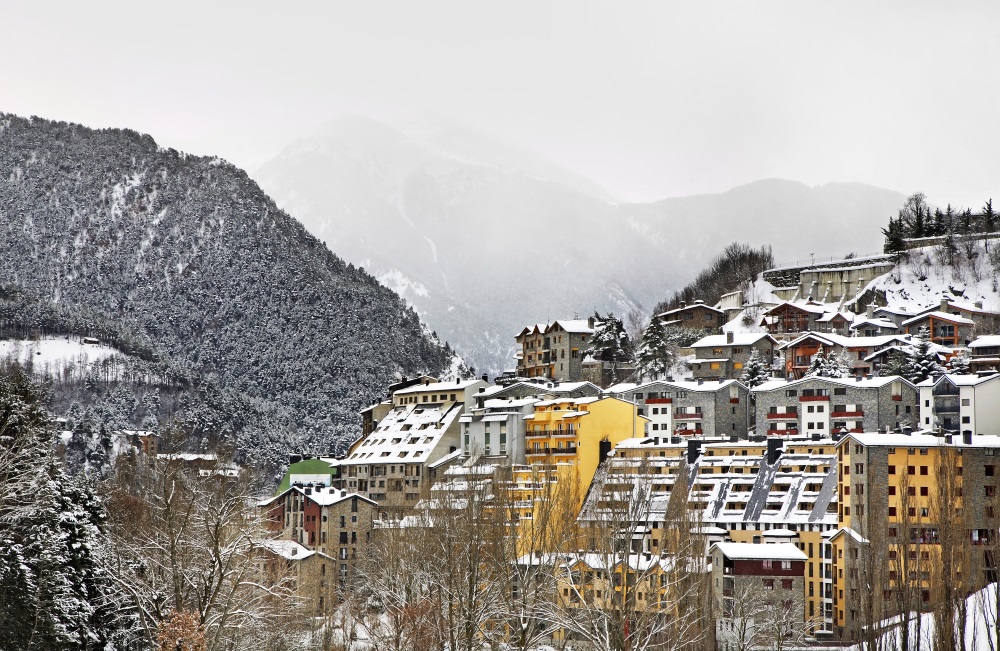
<point x="659" y="401"/>
<point x="783" y="415"/>
<point x="550" y="451"/>
<point x="688" y="432"/>
<point x="814" y="398"/>
<point x="897" y="398"/>
<point x="847" y="414"/>
<point x="794" y="431"/>
<point x="694" y="416"/>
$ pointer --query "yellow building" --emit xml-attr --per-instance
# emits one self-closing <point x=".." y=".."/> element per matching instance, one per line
<point x="918" y="521"/>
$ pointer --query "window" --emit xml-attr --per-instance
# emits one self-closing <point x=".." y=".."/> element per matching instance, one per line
<point x="791" y="393"/>
<point x="840" y="391"/>
<point x="923" y="470"/>
<point x="768" y="584"/>
<point x="892" y="471"/>
<point x="989" y="470"/>
<point x="786" y="584"/>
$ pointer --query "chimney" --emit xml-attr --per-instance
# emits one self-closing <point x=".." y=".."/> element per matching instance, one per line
<point x="729" y="337"/>
<point x="773" y="450"/>
<point x="486" y="378"/>
<point x="694" y="451"/>
<point x="701" y="381"/>
<point x="944" y="305"/>
<point x="979" y="305"/>
<point x="590" y="322"/>
<point x="683" y="304"/>
<point x="343" y="493"/>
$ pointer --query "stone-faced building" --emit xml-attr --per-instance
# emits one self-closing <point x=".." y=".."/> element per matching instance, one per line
<point x="554" y="350"/>
<point x="985" y="353"/>
<point x="961" y="404"/>
<point x="795" y="318"/>
<point x="865" y="353"/>
<point x="945" y="329"/>
<point x="740" y="571"/>
<point x="828" y="406"/>
<point x="722" y="357"/>
<point x="328" y="520"/>
<point x="310" y="574"/>
<point x="697" y="316"/>
<point x="904" y="502"/>
<point x="701" y="408"/>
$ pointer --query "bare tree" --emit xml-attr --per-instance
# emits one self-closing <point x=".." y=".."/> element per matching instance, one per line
<point x="616" y="595"/>
<point x="189" y="539"/>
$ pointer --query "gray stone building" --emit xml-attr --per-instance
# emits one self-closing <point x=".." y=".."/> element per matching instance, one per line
<point x="699" y="408"/>
<point x="826" y="406"/>
<point x="720" y="357"/>
<point x="554" y="350"/>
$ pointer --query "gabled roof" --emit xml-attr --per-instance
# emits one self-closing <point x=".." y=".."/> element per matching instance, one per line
<point x="812" y="308"/>
<point x="439" y="387"/>
<point x="580" y="326"/>
<point x="322" y="496"/>
<point x="739" y="339"/>
<point x="693" y="306"/>
<point x="831" y="339"/>
<point x="960" y="380"/>
<point x="878" y="323"/>
<point x="985" y="341"/>
<point x="864" y="383"/>
<point x="940" y="316"/>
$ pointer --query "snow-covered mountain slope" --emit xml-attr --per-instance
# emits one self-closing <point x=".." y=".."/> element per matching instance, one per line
<point x="482" y="238"/>
<point x="192" y="254"/>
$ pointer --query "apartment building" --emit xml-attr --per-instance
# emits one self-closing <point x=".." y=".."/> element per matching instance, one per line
<point x="795" y="318"/>
<point x="697" y="316"/>
<point x="865" y="353"/>
<point x="759" y="491"/>
<point x="554" y="350"/>
<point x="326" y="520"/>
<point x="722" y="357"/>
<point x="945" y="329"/>
<point x="686" y="408"/>
<point x="985" y="353"/>
<point x="961" y="404"/>
<point x="393" y="465"/>
<point x="748" y="572"/>
<point x="915" y="512"/>
<point x="311" y="574"/>
<point x="827" y="406"/>
<point x="579" y="433"/>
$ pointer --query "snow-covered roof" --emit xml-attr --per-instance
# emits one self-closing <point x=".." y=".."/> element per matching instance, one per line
<point x="439" y="387"/>
<point x="322" y="496"/>
<point x="761" y="551"/>
<point x="681" y="385"/>
<point x="699" y="304"/>
<point x="830" y="316"/>
<point x="580" y="326"/>
<point x="960" y="380"/>
<point x="288" y="549"/>
<point x="407" y="433"/>
<point x="865" y="383"/>
<point x="646" y="442"/>
<point x="920" y="440"/>
<point x="985" y="341"/>
<point x="941" y="316"/>
<point x="739" y="339"/>
<point x="833" y="339"/>
<point x="876" y="323"/>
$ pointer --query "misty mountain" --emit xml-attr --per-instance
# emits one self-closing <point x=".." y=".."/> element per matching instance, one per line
<point x="192" y="254"/>
<point x="483" y="238"/>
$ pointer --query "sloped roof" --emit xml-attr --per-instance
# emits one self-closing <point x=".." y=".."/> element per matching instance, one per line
<point x="739" y="339"/>
<point x="942" y="316"/>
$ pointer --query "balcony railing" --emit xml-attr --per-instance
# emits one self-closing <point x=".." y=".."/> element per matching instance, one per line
<point x="550" y="451"/>
<point x="847" y="414"/>
<point x="782" y="415"/>
<point x="792" y="431"/>
<point x="687" y="416"/>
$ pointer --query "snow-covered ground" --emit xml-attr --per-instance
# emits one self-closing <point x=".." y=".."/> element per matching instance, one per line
<point x="980" y="623"/>
<point x="924" y="279"/>
<point x="55" y="353"/>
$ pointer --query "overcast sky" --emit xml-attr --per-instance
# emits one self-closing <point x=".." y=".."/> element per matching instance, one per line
<point x="648" y="99"/>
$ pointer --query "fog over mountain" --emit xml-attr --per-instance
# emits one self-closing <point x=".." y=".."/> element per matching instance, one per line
<point x="482" y="237"/>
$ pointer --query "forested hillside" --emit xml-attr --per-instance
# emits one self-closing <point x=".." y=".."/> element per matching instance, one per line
<point x="189" y="254"/>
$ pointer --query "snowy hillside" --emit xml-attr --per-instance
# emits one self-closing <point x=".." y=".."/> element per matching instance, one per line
<point x="50" y="356"/>
<point x="925" y="276"/>
<point x="483" y="238"/>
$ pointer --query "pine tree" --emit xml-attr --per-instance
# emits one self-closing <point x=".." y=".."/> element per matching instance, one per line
<point x="989" y="217"/>
<point x="610" y="342"/>
<point x="960" y="364"/>
<point x="894" y="236"/>
<point x="756" y="371"/>
<point x="896" y="364"/>
<point x="817" y="365"/>
<point x="656" y="353"/>
<point x="921" y="361"/>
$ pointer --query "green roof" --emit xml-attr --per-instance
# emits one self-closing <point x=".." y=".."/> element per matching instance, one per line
<point x="307" y="467"/>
